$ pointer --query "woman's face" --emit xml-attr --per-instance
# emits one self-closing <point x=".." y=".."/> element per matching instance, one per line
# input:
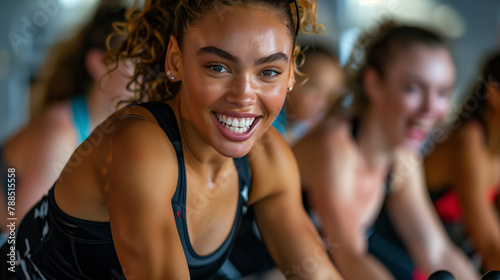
<point x="310" y="101"/>
<point x="115" y="84"/>
<point x="415" y="93"/>
<point x="112" y="84"/>
<point x="235" y="70"/>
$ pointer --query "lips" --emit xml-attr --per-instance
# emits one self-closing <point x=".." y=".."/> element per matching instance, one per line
<point x="235" y="126"/>
<point x="417" y="132"/>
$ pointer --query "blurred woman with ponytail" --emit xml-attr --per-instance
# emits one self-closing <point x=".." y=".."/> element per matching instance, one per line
<point x="68" y="100"/>
<point x="400" y="80"/>
<point x="162" y="193"/>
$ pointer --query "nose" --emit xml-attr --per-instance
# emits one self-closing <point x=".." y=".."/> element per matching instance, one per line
<point x="242" y="92"/>
<point x="427" y="103"/>
<point x="433" y="105"/>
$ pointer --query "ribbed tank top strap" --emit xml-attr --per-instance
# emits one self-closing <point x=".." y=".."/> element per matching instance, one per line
<point x="168" y="122"/>
<point x="245" y="180"/>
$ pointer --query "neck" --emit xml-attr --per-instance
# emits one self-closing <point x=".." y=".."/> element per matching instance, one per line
<point x="197" y="152"/>
<point x="372" y="141"/>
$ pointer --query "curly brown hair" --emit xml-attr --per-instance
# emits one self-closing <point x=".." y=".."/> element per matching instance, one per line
<point x="148" y="31"/>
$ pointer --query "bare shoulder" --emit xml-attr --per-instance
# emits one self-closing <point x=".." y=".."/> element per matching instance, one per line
<point x="130" y="161"/>
<point x="329" y="149"/>
<point x="134" y="137"/>
<point x="273" y="166"/>
<point x="331" y="136"/>
<point x="469" y="133"/>
<point x="470" y="140"/>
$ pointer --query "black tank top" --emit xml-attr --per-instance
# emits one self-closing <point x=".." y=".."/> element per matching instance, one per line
<point x="53" y="245"/>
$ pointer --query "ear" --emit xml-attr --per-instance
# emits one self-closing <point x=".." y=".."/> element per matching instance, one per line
<point x="94" y="64"/>
<point x="371" y="84"/>
<point x="173" y="61"/>
<point x="291" y="78"/>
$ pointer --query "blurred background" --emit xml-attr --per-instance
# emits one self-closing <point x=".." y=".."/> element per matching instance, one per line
<point x="29" y="27"/>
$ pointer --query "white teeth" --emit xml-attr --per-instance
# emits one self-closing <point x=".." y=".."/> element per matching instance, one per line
<point x="235" y="122"/>
<point x="238" y="125"/>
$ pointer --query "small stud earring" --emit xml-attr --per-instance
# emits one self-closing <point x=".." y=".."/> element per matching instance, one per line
<point x="172" y="78"/>
<point x="168" y="73"/>
<point x="290" y="88"/>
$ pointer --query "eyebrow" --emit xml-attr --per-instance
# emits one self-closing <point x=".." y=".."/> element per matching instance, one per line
<point x="223" y="54"/>
<point x="218" y="52"/>
<point x="274" y="57"/>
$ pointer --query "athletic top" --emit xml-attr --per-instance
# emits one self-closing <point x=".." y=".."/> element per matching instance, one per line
<point x="448" y="206"/>
<point x="446" y="200"/>
<point x="54" y="245"/>
<point x="80" y="116"/>
<point x="281" y="122"/>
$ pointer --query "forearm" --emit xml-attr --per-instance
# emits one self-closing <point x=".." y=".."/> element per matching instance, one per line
<point x="306" y="259"/>
<point x="490" y="256"/>
<point x="295" y="245"/>
<point x="360" y="266"/>
<point x="451" y="260"/>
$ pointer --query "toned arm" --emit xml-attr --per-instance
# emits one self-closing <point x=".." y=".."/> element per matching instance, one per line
<point x="470" y="182"/>
<point x="329" y="174"/>
<point x="142" y="177"/>
<point x="415" y="220"/>
<point x="284" y="225"/>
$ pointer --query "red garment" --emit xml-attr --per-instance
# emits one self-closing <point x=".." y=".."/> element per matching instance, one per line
<point x="448" y="205"/>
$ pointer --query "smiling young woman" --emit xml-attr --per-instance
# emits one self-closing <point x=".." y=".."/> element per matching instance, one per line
<point x="161" y="191"/>
<point x="353" y="162"/>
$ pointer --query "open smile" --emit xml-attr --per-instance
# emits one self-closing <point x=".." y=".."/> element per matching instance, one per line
<point x="237" y="127"/>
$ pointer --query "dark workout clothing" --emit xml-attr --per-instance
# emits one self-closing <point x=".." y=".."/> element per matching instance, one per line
<point x="386" y="245"/>
<point x="54" y="245"/>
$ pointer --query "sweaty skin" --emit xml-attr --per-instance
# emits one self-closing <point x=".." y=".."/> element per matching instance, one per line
<point x="131" y="175"/>
<point x="473" y="174"/>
